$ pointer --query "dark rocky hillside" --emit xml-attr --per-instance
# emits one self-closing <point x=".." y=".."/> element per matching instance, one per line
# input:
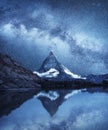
<point x="14" y="76"/>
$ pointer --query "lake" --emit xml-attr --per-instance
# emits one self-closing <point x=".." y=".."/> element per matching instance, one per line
<point x="54" y="110"/>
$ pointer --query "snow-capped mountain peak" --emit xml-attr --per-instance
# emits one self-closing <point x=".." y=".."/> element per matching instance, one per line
<point x="53" y="69"/>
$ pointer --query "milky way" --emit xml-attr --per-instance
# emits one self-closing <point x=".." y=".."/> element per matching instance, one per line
<point x="77" y="32"/>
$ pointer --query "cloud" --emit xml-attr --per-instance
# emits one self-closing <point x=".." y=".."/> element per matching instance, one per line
<point x="79" y="49"/>
<point x="34" y="36"/>
<point x="8" y="30"/>
<point x="35" y="28"/>
<point x="89" y="42"/>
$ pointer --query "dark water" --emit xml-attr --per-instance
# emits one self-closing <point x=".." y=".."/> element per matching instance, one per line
<point x="54" y="110"/>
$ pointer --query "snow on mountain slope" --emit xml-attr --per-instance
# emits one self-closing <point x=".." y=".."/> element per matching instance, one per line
<point x="50" y="73"/>
<point x="67" y="71"/>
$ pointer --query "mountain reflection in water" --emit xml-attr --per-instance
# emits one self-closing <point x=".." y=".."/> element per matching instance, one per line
<point x="54" y="110"/>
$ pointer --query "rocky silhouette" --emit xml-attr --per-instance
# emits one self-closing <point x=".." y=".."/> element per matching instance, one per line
<point x="13" y="99"/>
<point x="14" y="76"/>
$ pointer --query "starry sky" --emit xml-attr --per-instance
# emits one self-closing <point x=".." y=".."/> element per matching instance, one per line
<point x="75" y="30"/>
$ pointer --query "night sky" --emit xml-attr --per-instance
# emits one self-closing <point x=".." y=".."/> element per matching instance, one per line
<point x="76" y="31"/>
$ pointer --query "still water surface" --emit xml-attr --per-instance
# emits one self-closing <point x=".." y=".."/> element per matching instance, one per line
<point x="59" y="110"/>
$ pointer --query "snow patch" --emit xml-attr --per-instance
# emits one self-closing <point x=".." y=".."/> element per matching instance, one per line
<point x="49" y="74"/>
<point x="52" y="95"/>
<point x="72" y="93"/>
<point x="67" y="71"/>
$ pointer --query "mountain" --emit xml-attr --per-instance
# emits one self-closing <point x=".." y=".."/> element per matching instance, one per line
<point x="51" y="100"/>
<point x="98" y="78"/>
<point x="52" y="69"/>
<point x="14" y="76"/>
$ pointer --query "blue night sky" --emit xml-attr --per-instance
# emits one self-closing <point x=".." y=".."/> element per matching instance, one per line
<point x="76" y="31"/>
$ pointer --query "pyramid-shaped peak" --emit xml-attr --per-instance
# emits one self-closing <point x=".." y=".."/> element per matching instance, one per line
<point x="52" y="68"/>
<point x="52" y="56"/>
<point x="51" y="53"/>
<point x="50" y="62"/>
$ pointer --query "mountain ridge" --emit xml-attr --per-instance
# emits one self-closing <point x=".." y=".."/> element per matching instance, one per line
<point x="15" y="76"/>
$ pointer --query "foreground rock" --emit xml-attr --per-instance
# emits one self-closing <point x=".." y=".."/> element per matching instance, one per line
<point x="14" y="76"/>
